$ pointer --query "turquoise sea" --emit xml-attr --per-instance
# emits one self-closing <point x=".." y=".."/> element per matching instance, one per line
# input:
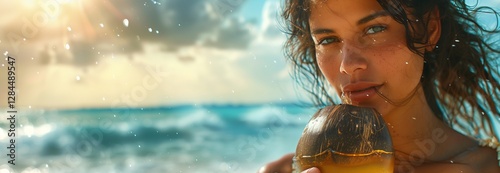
<point x="189" y="138"/>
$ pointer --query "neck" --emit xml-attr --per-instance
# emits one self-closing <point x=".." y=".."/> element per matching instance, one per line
<point x="419" y="136"/>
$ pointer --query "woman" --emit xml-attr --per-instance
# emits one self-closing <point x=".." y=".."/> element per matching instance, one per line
<point x="425" y="65"/>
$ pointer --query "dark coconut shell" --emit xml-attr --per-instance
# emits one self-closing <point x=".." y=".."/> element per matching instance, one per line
<point x="345" y="129"/>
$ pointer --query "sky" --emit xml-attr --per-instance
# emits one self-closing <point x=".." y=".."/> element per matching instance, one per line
<point x="84" y="54"/>
<point x="141" y="53"/>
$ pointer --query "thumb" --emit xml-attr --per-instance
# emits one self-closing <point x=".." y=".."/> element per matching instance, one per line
<point x="311" y="170"/>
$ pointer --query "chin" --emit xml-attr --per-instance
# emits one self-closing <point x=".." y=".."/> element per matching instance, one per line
<point x="381" y="108"/>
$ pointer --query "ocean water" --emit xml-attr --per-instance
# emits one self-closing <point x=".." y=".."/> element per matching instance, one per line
<point x="191" y="139"/>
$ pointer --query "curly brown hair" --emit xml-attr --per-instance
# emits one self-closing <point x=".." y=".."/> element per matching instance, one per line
<point x="461" y="74"/>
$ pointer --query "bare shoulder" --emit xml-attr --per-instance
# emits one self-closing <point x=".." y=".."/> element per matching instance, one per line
<point x="482" y="159"/>
<point x="446" y="168"/>
<point x="478" y="160"/>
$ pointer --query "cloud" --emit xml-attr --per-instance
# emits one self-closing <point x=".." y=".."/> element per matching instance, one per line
<point x="234" y="35"/>
<point x="93" y="28"/>
<point x="270" y="19"/>
<point x="235" y="62"/>
<point x="214" y="76"/>
<point x="174" y="23"/>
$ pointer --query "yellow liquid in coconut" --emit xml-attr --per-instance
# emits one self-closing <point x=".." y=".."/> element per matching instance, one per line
<point x="376" y="162"/>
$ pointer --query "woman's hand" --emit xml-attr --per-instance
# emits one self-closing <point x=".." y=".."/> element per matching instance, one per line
<point x="284" y="165"/>
<point x="311" y="170"/>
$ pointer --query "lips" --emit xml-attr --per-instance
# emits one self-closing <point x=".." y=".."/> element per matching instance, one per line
<point x="360" y="92"/>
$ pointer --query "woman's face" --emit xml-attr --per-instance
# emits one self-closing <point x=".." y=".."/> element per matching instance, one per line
<point x="360" y="49"/>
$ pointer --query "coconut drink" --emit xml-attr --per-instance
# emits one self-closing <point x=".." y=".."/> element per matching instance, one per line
<point x="346" y="139"/>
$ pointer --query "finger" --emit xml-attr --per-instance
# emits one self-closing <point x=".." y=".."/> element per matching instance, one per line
<point x="282" y="165"/>
<point x="311" y="170"/>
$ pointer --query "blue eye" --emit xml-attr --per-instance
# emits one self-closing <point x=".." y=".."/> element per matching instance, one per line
<point x="375" y="29"/>
<point x="328" y="40"/>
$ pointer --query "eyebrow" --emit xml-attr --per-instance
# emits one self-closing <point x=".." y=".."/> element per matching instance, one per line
<point x="360" y="22"/>
<point x="372" y="16"/>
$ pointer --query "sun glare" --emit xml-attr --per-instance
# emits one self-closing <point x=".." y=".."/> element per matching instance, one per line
<point x="29" y="4"/>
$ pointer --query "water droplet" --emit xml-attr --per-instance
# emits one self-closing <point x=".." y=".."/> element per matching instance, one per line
<point x="125" y="22"/>
<point x="114" y="115"/>
<point x="66" y="46"/>
<point x="416" y="20"/>
<point x="176" y="133"/>
<point x="274" y="61"/>
<point x="179" y="24"/>
<point x="77" y="77"/>
<point x="69" y="28"/>
<point x="437" y="46"/>
<point x="150" y="29"/>
<point x="3" y="65"/>
<point x="157" y="31"/>
<point x="345" y="98"/>
<point x="367" y="95"/>
<point x="135" y="134"/>
<point x="413" y="118"/>
<point x="457" y="41"/>
<point x="453" y="45"/>
<point x="451" y="161"/>
<point x="102" y="25"/>
<point x="406" y="62"/>
<point x="6" y="53"/>
<point x="482" y="113"/>
<point x="139" y="146"/>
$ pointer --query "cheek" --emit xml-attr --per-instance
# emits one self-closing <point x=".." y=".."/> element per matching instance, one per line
<point x="397" y="62"/>
<point x="330" y="68"/>
<point x="328" y="58"/>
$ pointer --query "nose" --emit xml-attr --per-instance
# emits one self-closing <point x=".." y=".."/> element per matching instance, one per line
<point x="352" y="59"/>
